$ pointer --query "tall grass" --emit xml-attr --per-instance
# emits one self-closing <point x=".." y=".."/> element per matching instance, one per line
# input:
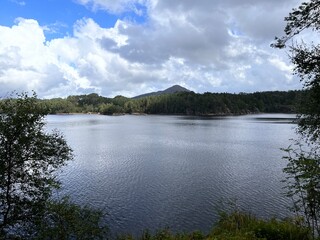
<point x="238" y="226"/>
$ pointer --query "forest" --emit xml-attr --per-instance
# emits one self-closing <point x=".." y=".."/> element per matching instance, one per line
<point x="181" y="103"/>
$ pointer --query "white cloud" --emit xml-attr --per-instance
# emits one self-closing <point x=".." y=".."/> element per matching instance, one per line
<point x="203" y="46"/>
<point x="28" y="61"/>
<point x="112" y="6"/>
<point x="281" y="65"/>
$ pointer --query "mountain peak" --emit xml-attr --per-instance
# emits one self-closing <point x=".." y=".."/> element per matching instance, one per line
<point x="170" y="90"/>
<point x="175" y="88"/>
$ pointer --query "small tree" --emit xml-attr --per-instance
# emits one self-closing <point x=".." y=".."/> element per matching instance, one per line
<point x="306" y="59"/>
<point x="303" y="168"/>
<point x="29" y="160"/>
<point x="65" y="220"/>
<point x="303" y="182"/>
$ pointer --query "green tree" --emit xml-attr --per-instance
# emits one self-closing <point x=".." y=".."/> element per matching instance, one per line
<point x="303" y="182"/>
<point x="110" y="109"/>
<point x="303" y="168"/>
<point x="29" y="160"/>
<point x="306" y="59"/>
<point x="65" y="220"/>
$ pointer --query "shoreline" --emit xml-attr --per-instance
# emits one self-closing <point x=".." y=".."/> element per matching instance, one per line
<point x="175" y="114"/>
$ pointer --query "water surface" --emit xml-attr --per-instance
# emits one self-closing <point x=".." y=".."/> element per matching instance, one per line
<point x="174" y="171"/>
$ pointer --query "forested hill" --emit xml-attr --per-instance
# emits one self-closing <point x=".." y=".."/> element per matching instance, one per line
<point x="181" y="103"/>
<point x="170" y="90"/>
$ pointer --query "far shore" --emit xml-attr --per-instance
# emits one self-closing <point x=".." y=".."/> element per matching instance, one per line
<point x="195" y="115"/>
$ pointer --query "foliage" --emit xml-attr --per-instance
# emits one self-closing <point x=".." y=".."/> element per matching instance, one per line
<point x="29" y="159"/>
<point x="183" y="103"/>
<point x="65" y="220"/>
<point x="307" y="15"/>
<point x="189" y="103"/>
<point x="309" y="120"/>
<point x="59" y="105"/>
<point x="306" y="60"/>
<point x="237" y="226"/>
<point x="303" y="168"/>
<point x="303" y="182"/>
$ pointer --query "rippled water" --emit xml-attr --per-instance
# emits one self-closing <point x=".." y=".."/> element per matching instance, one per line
<point x="174" y="171"/>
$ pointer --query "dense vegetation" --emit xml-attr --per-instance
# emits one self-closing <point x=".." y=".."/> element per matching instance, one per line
<point x="30" y="159"/>
<point x="238" y="226"/>
<point x="303" y="157"/>
<point x="182" y="103"/>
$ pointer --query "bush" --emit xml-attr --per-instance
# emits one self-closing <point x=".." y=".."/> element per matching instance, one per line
<point x="239" y="225"/>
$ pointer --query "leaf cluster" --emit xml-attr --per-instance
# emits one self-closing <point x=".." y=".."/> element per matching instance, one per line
<point x="306" y="16"/>
<point x="64" y="220"/>
<point x="303" y="182"/>
<point x="306" y="60"/>
<point x="29" y="160"/>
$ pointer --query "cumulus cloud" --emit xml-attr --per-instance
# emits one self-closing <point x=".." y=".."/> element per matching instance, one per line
<point x="28" y="62"/>
<point x="64" y="66"/>
<point x="204" y="46"/>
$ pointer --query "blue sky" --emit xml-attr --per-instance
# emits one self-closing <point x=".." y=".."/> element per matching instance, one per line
<point x="60" y="15"/>
<point x="129" y="47"/>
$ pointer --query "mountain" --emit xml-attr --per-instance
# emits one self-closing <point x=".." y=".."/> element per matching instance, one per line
<point x="170" y="90"/>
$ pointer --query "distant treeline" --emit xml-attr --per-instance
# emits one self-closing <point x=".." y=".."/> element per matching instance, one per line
<point x="182" y="103"/>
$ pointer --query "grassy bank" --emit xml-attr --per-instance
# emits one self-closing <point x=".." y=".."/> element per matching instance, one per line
<point x="238" y="226"/>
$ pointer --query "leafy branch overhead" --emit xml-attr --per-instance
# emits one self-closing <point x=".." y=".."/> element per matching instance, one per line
<point x="303" y="165"/>
<point x="306" y="60"/>
<point x="306" y="16"/>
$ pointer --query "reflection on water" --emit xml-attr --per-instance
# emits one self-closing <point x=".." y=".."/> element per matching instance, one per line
<point x="173" y="171"/>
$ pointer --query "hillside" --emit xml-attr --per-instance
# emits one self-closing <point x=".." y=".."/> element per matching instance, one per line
<point x="170" y="90"/>
<point x="181" y="103"/>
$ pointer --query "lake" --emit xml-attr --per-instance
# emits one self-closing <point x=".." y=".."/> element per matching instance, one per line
<point x="151" y="172"/>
